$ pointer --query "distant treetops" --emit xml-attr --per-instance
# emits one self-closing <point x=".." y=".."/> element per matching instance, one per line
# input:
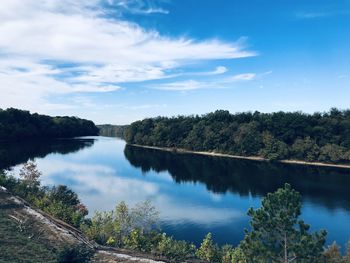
<point x="112" y="130"/>
<point x="321" y="137"/>
<point x="19" y="124"/>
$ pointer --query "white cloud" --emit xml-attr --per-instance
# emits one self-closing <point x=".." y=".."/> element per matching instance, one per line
<point x="220" y="70"/>
<point x="321" y="14"/>
<point x="37" y="37"/>
<point x="217" y="71"/>
<point x="311" y="15"/>
<point x="213" y="84"/>
<point x="241" y="77"/>
<point x="138" y="6"/>
<point x="95" y="182"/>
<point x="182" y="85"/>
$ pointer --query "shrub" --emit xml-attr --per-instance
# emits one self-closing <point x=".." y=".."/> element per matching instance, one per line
<point x="75" y="254"/>
<point x="208" y="250"/>
<point x="174" y="250"/>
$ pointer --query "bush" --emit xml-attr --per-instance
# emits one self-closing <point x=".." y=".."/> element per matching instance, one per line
<point x="333" y="153"/>
<point x="332" y="254"/>
<point x="75" y="254"/>
<point x="174" y="250"/>
<point x="60" y="201"/>
<point x="273" y="149"/>
<point x="238" y="256"/>
<point x="306" y="149"/>
<point x="208" y="250"/>
<point x="130" y="227"/>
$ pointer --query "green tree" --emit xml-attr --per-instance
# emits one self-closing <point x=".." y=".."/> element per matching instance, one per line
<point x="277" y="235"/>
<point x="305" y="149"/>
<point x="273" y="149"/>
<point x="174" y="250"/>
<point x="333" y="153"/>
<point x="248" y="139"/>
<point x="208" y="250"/>
<point x="30" y="174"/>
<point x="347" y="255"/>
<point x="232" y="255"/>
<point x="332" y="254"/>
<point x="132" y="227"/>
<point x="238" y="256"/>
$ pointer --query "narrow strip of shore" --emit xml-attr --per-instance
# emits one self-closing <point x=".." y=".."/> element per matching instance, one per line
<point x="252" y="158"/>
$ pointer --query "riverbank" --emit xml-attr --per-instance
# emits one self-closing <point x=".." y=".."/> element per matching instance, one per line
<point x="31" y="235"/>
<point x="251" y="158"/>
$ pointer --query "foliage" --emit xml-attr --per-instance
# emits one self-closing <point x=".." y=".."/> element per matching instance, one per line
<point x="295" y="135"/>
<point x="60" y="201"/>
<point x="130" y="227"/>
<point x="238" y="256"/>
<point x="305" y="149"/>
<point x="208" y="250"/>
<point x="30" y="174"/>
<point x="174" y="250"/>
<point x="333" y="153"/>
<point x="277" y="235"/>
<point x="15" y="124"/>
<point x="273" y="149"/>
<point x="347" y="256"/>
<point x="232" y="255"/>
<point x="112" y="130"/>
<point x="333" y="255"/>
<point x="75" y="254"/>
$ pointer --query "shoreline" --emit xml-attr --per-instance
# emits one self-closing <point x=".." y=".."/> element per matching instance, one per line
<point x="251" y="158"/>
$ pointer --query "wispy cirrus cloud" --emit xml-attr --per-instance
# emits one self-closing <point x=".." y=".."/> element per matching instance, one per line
<point x="321" y="14"/>
<point x="311" y="15"/>
<point x="217" y="71"/>
<point x="206" y="84"/>
<point x="50" y="47"/>
<point x="139" y="6"/>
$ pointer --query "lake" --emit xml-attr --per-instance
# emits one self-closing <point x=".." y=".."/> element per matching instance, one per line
<point x="194" y="194"/>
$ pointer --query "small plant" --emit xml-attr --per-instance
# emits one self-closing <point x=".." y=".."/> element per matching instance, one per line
<point x="75" y="254"/>
<point x="175" y="250"/>
<point x="111" y="242"/>
<point x="208" y="250"/>
<point x="30" y="174"/>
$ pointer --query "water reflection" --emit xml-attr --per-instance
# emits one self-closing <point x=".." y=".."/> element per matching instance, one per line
<point x="328" y="187"/>
<point x="194" y="194"/>
<point x="16" y="152"/>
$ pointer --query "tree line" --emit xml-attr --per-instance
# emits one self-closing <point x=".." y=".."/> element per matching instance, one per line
<point x="20" y="124"/>
<point x="323" y="137"/>
<point x="112" y="130"/>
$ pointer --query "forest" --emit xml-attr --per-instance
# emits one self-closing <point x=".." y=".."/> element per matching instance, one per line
<point x="20" y="124"/>
<point x="322" y="137"/>
<point x="112" y="130"/>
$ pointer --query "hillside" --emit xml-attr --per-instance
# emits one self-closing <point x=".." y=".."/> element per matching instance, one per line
<point x="19" y="124"/>
<point x="30" y="235"/>
<point x="318" y="137"/>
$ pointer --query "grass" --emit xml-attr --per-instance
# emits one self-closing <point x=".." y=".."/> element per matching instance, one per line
<point x="17" y="246"/>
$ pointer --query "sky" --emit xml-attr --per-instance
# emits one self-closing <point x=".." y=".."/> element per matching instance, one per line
<point x="117" y="61"/>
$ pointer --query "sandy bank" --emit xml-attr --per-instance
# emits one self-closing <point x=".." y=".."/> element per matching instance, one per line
<point x="252" y="158"/>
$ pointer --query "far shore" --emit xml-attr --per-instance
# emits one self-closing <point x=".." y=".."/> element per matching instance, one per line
<point x="252" y="158"/>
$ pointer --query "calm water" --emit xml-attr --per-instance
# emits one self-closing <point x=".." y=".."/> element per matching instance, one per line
<point x="194" y="194"/>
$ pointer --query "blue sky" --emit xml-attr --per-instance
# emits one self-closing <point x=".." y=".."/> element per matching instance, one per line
<point x="116" y="61"/>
